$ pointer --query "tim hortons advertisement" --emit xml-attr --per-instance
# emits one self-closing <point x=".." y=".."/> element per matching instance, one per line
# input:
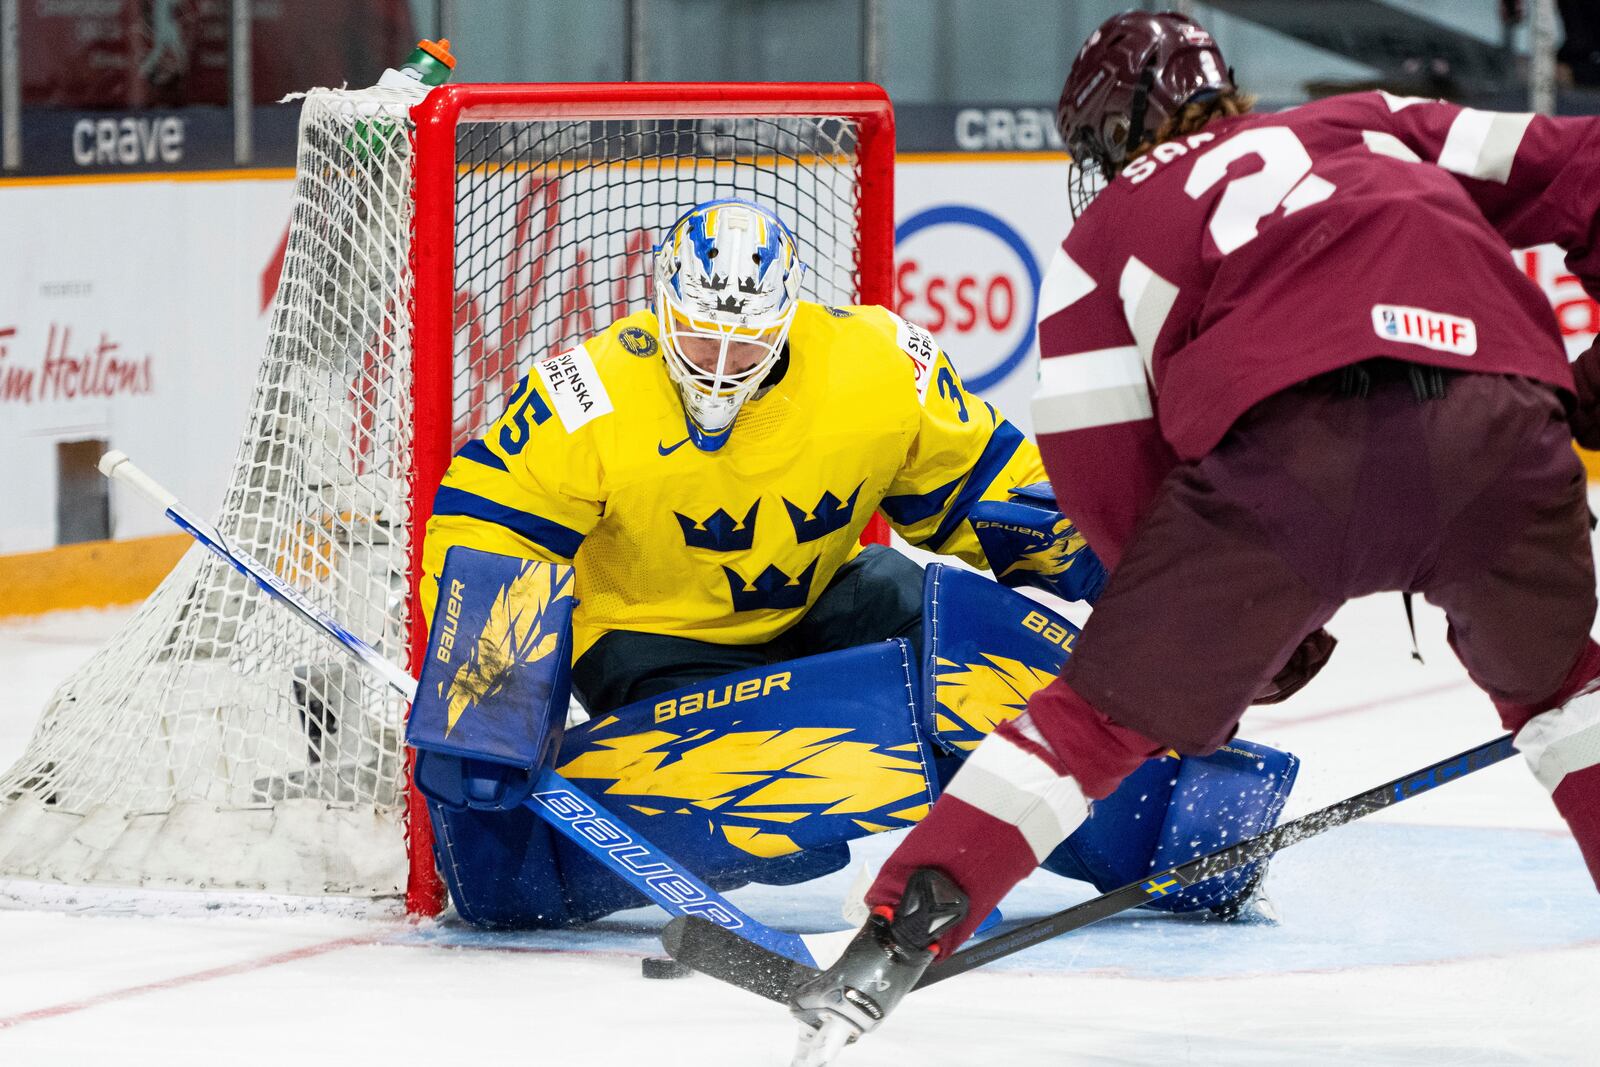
<point x="132" y="317"/>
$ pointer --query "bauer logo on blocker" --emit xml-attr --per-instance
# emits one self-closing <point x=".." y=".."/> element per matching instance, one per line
<point x="971" y="280"/>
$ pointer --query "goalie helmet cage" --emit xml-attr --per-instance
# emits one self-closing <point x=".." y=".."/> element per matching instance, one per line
<point x="216" y="743"/>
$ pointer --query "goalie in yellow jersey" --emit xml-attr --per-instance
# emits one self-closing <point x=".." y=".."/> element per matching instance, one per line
<point x="707" y="467"/>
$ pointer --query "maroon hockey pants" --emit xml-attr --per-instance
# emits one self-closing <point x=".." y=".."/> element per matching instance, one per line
<point x="1474" y="500"/>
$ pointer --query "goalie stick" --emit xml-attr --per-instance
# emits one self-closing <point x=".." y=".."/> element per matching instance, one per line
<point x="557" y="801"/>
<point x="714" y="951"/>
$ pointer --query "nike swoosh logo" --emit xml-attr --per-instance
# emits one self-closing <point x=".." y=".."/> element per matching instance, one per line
<point x="667" y="451"/>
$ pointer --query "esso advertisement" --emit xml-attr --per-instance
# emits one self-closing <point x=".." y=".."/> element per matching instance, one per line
<point x="971" y="242"/>
<point x="971" y="280"/>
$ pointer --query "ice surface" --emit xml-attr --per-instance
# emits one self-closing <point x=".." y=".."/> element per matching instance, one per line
<point x="1456" y="928"/>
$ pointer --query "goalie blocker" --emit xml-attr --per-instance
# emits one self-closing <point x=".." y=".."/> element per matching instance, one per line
<point x="765" y="775"/>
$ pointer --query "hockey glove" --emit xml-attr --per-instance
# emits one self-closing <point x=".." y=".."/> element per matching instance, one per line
<point x="1585" y="414"/>
<point x="1304" y="664"/>
<point x="1028" y="542"/>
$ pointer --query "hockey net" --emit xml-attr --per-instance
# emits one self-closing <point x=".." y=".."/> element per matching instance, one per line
<point x="216" y="743"/>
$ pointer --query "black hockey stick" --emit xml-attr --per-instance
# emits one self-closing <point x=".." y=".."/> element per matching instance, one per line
<point x="725" y="955"/>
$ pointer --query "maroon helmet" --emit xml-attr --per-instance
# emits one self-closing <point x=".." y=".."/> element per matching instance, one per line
<point x="1133" y="74"/>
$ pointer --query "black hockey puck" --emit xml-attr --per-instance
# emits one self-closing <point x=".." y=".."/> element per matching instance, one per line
<point x="664" y="967"/>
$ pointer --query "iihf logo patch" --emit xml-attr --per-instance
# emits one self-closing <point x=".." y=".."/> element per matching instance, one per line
<point x="638" y="342"/>
<point x="1429" y="329"/>
<point x="838" y="313"/>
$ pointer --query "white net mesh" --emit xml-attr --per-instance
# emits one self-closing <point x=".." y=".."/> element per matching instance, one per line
<point x="219" y="743"/>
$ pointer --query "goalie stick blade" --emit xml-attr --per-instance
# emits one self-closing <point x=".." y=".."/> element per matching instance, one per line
<point x="724" y="955"/>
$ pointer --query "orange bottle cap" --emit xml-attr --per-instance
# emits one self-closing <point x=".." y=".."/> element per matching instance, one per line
<point x="439" y="50"/>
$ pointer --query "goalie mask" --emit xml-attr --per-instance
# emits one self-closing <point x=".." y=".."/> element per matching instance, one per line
<point x="727" y="284"/>
<point x="1132" y="75"/>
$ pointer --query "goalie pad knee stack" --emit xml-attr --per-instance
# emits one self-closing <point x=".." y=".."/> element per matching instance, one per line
<point x="488" y="716"/>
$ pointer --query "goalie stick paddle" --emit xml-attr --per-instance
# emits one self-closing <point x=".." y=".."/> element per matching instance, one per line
<point x="712" y="950"/>
<point x="563" y="805"/>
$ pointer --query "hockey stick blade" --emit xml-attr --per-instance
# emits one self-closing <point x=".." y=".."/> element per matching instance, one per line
<point x="1221" y="861"/>
<point x="725" y="956"/>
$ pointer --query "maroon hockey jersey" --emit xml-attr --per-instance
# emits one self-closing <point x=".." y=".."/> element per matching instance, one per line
<point x="1223" y="267"/>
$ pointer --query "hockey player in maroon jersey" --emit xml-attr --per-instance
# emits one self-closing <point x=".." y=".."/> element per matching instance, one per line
<point x="1288" y="361"/>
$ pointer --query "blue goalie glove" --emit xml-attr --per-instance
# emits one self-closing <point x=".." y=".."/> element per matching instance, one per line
<point x="492" y="699"/>
<point x="1028" y="542"/>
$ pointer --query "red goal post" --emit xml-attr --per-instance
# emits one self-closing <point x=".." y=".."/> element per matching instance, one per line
<point x="831" y="143"/>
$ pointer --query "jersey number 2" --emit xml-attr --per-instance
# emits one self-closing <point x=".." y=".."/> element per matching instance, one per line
<point x="1284" y="181"/>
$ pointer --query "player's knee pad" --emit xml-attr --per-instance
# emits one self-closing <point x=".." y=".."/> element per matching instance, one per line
<point x="1564" y="740"/>
<point x="988" y="649"/>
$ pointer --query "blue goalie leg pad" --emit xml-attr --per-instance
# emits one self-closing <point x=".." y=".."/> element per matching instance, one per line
<point x="500" y="868"/>
<point x="736" y="779"/>
<point x="1236" y="792"/>
<point x="763" y="775"/>
<point x="1171" y="810"/>
<point x="989" y="648"/>
<point x="986" y="650"/>
<point x="1114" y="845"/>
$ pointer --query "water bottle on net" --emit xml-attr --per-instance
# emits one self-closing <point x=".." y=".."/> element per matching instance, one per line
<point x="430" y="64"/>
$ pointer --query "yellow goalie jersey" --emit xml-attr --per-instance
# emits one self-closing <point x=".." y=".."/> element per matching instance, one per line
<point x="592" y="464"/>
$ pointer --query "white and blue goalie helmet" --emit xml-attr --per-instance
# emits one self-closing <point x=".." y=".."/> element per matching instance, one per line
<point x="727" y="284"/>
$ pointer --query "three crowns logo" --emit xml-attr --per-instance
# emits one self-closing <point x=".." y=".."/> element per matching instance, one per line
<point x="771" y="590"/>
<point x="720" y="532"/>
<point x="829" y="515"/>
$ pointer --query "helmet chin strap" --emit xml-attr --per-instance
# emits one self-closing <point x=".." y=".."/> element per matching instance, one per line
<point x="1136" y="110"/>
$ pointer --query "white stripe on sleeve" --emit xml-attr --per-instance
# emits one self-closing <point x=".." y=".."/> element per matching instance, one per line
<point x="1483" y="144"/>
<point x="1065" y="283"/>
<point x="1147" y="300"/>
<point x="1100" y="388"/>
